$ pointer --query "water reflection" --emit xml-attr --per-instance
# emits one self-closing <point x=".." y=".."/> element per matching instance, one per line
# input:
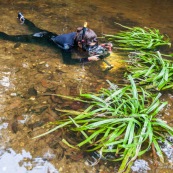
<point x="12" y="162"/>
<point x="140" y="166"/>
<point x="167" y="148"/>
<point x="6" y="83"/>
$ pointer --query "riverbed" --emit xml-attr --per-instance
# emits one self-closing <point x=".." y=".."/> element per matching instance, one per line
<point x="30" y="73"/>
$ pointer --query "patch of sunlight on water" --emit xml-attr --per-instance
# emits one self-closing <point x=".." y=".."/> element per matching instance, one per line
<point x="168" y="149"/>
<point x="116" y="60"/>
<point x="6" y="83"/>
<point x="140" y="166"/>
<point x="12" y="162"/>
<point x="3" y="126"/>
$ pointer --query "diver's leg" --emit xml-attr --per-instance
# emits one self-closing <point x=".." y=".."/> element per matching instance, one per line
<point x="21" y="38"/>
<point x="38" y="32"/>
<point x="37" y="38"/>
<point x="40" y="35"/>
<point x="28" y="23"/>
<point x="31" y="26"/>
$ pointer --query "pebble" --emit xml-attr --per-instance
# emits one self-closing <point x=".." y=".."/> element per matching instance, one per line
<point x="17" y="45"/>
<point x="13" y="94"/>
<point x="42" y="62"/>
<point x="32" y="98"/>
<point x="60" y="169"/>
<point x="22" y="144"/>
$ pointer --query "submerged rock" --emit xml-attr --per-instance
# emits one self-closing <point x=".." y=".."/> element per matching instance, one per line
<point x="16" y="45"/>
<point x="32" y="91"/>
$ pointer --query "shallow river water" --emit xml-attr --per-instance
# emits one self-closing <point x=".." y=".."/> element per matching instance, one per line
<point x="28" y="71"/>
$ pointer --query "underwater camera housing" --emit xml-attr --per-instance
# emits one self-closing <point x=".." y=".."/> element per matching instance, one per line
<point x="102" y="51"/>
<point x="99" y="50"/>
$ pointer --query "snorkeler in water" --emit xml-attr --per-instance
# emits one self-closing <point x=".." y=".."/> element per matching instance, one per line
<point x="84" y="38"/>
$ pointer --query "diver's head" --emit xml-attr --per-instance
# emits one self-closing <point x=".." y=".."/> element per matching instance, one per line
<point x="86" y="38"/>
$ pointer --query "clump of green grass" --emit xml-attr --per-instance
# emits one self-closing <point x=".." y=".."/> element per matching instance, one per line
<point x="121" y="121"/>
<point x="124" y="121"/>
<point x="138" y="38"/>
<point x="151" y="70"/>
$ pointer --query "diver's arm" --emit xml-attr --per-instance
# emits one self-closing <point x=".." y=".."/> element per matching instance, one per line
<point x="91" y="58"/>
<point x="94" y="58"/>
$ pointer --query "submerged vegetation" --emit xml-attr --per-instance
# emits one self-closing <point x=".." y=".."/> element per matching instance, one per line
<point x="150" y="70"/>
<point x="124" y="122"/>
<point x="137" y="38"/>
<point x="119" y="121"/>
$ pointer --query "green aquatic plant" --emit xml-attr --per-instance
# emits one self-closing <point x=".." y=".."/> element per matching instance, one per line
<point x="122" y="122"/>
<point x="138" y="38"/>
<point x="151" y="70"/>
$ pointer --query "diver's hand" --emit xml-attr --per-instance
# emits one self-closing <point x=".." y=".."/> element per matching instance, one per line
<point x="108" y="46"/>
<point x="93" y="58"/>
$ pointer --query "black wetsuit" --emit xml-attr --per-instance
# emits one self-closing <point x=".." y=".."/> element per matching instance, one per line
<point x="64" y="41"/>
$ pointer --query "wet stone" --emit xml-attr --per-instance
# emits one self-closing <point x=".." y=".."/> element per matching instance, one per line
<point x="17" y="45"/>
<point x="76" y="105"/>
<point x="48" y="154"/>
<point x="14" y="126"/>
<point x="36" y="124"/>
